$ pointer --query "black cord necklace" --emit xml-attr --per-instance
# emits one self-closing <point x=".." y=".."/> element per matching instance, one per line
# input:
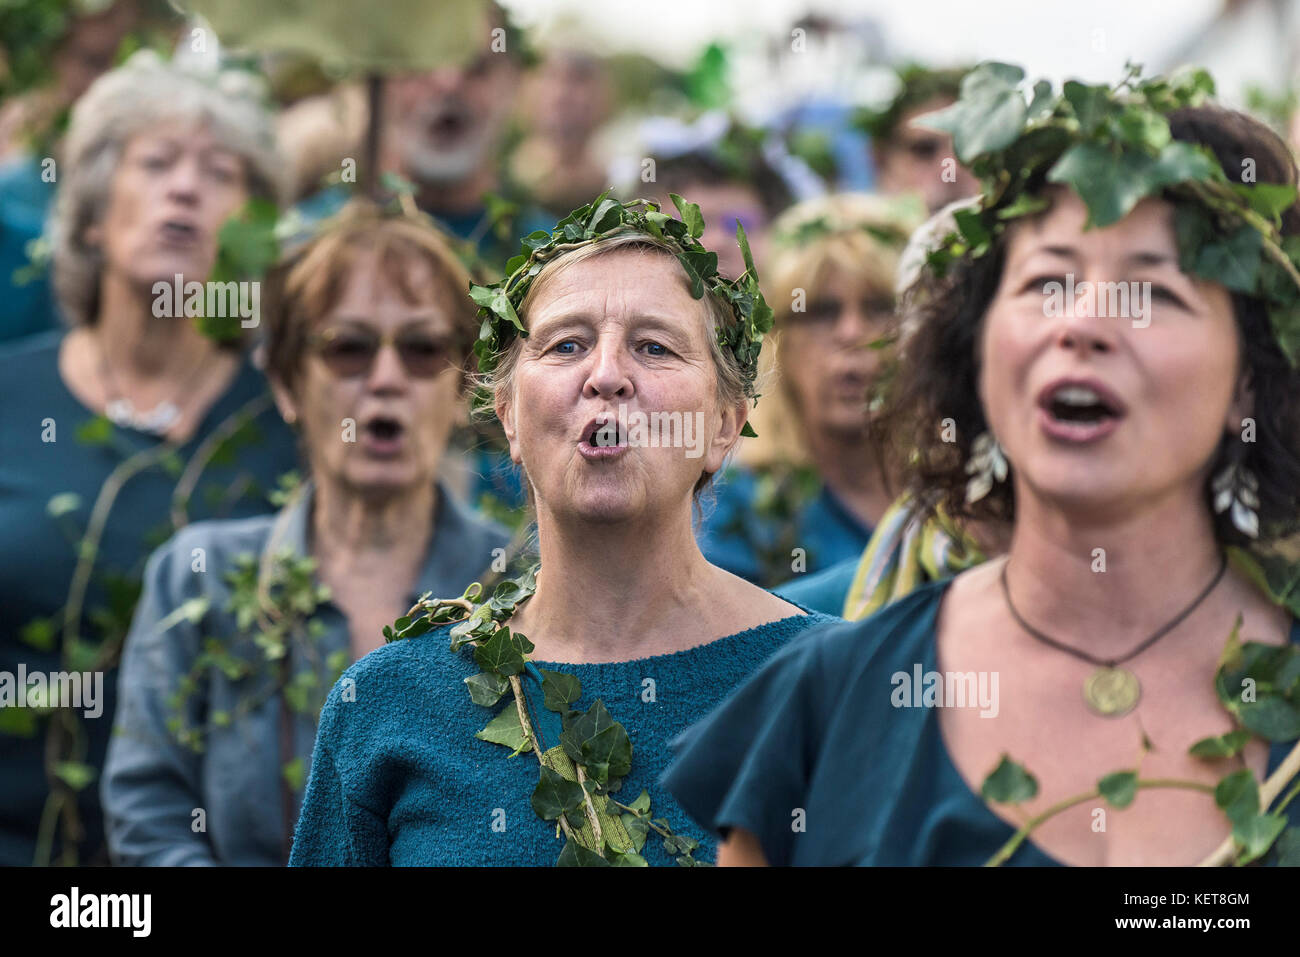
<point x="1112" y="691"/>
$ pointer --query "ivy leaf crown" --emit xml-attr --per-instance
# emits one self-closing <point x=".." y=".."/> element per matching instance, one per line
<point x="1112" y="145"/>
<point x="602" y="219"/>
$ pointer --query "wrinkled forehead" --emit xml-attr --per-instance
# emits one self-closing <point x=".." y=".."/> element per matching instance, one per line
<point x="618" y="286"/>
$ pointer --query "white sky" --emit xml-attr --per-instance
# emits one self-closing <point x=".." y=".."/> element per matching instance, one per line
<point x="1088" y="39"/>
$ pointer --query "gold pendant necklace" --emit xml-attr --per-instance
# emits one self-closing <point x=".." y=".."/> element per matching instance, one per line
<point x="1112" y="691"/>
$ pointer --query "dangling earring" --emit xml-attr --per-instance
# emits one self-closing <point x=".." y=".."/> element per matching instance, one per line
<point x="987" y="465"/>
<point x="1237" y="488"/>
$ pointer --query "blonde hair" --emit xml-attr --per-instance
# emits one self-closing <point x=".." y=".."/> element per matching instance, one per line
<point x="857" y="234"/>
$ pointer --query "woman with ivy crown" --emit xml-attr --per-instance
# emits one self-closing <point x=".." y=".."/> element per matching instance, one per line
<point x="1123" y="686"/>
<point x="244" y="626"/>
<point x="531" y="727"/>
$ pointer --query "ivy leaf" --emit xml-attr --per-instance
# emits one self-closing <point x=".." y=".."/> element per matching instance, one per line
<point x="1024" y="205"/>
<point x="638" y="829"/>
<point x="1233" y="261"/>
<point x="1041" y="104"/>
<point x="486" y="689"/>
<point x="555" y="795"/>
<point x="575" y="855"/>
<point x="1238" y="796"/>
<point x="295" y="773"/>
<point x="607" y="215"/>
<point x="96" y="431"/>
<point x="1112" y="182"/>
<point x="506" y="730"/>
<point x="1009" y="783"/>
<point x="700" y="265"/>
<point x="1090" y="104"/>
<point x="601" y="744"/>
<point x="1272" y="718"/>
<point x="1270" y="200"/>
<point x="1221" y="746"/>
<point x="40" y="633"/>
<point x="743" y="242"/>
<point x="559" y="690"/>
<point x="990" y="114"/>
<point x="497" y="301"/>
<point x="503" y="653"/>
<point x="972" y="229"/>
<point x="1257" y="834"/>
<point x="690" y="214"/>
<point x="75" y="774"/>
<point x="1119" y="789"/>
<point x="642" y="802"/>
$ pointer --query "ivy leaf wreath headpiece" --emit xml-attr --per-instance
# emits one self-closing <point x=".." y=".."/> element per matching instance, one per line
<point x="603" y="219"/>
<point x="1113" y="147"/>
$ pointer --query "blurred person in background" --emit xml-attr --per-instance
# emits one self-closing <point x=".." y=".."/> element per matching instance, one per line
<point x="812" y="481"/>
<point x="719" y="164"/>
<point x="566" y="99"/>
<point x="31" y="124"/>
<point x="443" y="130"/>
<point x="115" y="431"/>
<point x="909" y="158"/>
<point x="369" y="323"/>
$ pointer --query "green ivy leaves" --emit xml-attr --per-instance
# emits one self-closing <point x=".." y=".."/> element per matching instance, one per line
<point x="601" y="219"/>
<point x="578" y="778"/>
<point x="1113" y="147"/>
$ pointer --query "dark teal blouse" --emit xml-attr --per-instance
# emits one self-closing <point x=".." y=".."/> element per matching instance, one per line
<point x="813" y="741"/>
<point x="41" y="456"/>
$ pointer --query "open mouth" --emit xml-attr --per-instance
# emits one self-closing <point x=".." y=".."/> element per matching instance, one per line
<point x="448" y="125"/>
<point x="383" y="434"/>
<point x="1079" y="404"/>
<point x="603" y="437"/>
<point x="178" y="232"/>
<point x="606" y="436"/>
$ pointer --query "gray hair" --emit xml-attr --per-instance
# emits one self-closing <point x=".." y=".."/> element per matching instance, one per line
<point x="137" y="95"/>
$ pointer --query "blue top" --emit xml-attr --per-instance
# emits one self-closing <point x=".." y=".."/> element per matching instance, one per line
<point x="824" y="591"/>
<point x="398" y="776"/>
<point x="734" y="533"/>
<point x="25" y="198"/>
<point x="41" y="456"/>
<point x="813" y="729"/>
<point x="152" y="783"/>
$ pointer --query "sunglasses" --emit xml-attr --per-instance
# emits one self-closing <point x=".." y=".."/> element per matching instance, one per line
<point x="350" y="351"/>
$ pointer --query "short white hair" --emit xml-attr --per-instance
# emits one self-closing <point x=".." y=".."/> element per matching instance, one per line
<point x="141" y="93"/>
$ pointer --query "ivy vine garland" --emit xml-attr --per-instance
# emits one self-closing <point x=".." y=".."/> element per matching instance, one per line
<point x="1113" y="147"/>
<point x="579" y="775"/>
<point x="1259" y="685"/>
<point x="604" y="218"/>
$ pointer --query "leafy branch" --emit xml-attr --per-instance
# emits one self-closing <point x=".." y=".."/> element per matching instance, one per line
<point x="1259" y="686"/>
<point x="576" y="776"/>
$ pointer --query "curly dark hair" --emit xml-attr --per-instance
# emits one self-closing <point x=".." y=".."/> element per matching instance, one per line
<point x="937" y="374"/>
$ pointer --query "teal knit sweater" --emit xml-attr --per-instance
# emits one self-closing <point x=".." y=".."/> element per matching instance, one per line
<point x="398" y="777"/>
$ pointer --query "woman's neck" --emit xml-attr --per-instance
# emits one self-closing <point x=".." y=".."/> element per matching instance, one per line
<point x="140" y="347"/>
<point x="616" y="592"/>
<point x="357" y="535"/>
<point x="1105" y="583"/>
<point x="848" y="466"/>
